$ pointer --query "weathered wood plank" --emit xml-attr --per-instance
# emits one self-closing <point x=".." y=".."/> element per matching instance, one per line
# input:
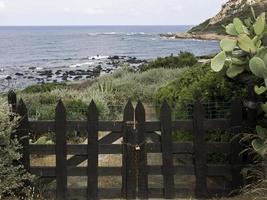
<point x="142" y="153"/>
<point x="166" y="145"/>
<point x="81" y="149"/>
<point x="22" y="133"/>
<point x="92" y="150"/>
<point x="12" y="101"/>
<point x="213" y="124"/>
<point x="212" y="170"/>
<point x="61" y="151"/>
<point x="128" y="165"/>
<point x="236" y="148"/>
<point x="46" y="125"/>
<point x="151" y="126"/>
<point x="110" y="138"/>
<point x="200" y="150"/>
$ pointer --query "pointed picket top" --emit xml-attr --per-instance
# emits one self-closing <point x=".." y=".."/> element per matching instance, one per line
<point x="165" y="108"/>
<point x="12" y="97"/>
<point x="60" y="109"/>
<point x="92" y="111"/>
<point x="128" y="111"/>
<point x="92" y="106"/>
<point x="199" y="110"/>
<point x="21" y="108"/>
<point x="140" y="112"/>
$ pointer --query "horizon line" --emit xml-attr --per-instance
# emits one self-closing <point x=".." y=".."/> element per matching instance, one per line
<point x="34" y="25"/>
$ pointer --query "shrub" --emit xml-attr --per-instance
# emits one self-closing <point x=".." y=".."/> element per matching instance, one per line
<point x="13" y="177"/>
<point x="46" y="87"/>
<point x="184" y="59"/>
<point x="76" y="109"/>
<point x="198" y="82"/>
<point x="139" y="85"/>
<point x="110" y="93"/>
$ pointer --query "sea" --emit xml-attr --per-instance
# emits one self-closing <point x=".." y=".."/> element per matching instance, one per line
<point x="25" y="51"/>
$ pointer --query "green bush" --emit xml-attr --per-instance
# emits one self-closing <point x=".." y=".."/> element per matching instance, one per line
<point x="184" y="59"/>
<point x="13" y="177"/>
<point x="76" y="109"/>
<point x="198" y="82"/>
<point x="138" y="85"/>
<point x="46" y="87"/>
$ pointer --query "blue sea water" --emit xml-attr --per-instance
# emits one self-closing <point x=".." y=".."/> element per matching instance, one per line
<point x="56" y="46"/>
<point x="60" y="46"/>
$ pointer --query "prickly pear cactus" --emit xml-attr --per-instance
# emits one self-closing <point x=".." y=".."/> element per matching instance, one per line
<point x="244" y="51"/>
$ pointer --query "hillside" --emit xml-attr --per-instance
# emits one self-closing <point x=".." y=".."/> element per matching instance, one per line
<point x="230" y="10"/>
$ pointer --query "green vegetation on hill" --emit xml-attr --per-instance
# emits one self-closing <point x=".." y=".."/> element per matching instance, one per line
<point x="183" y="59"/>
<point x="232" y="12"/>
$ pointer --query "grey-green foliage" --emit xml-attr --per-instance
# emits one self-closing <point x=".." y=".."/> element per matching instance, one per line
<point x="12" y="177"/>
<point x="105" y="87"/>
<point x="245" y="52"/>
<point x="110" y="92"/>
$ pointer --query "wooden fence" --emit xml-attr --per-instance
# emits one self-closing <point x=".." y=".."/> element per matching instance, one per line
<point x="134" y="131"/>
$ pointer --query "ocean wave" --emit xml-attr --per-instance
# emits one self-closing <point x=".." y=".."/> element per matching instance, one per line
<point x="97" y="57"/>
<point x="120" y="33"/>
<point x="81" y="64"/>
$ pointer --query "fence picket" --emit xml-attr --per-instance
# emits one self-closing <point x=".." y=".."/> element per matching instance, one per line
<point x="23" y="133"/>
<point x="236" y="148"/>
<point x="128" y="168"/>
<point x="200" y="150"/>
<point x="134" y="161"/>
<point x="167" y="158"/>
<point x="252" y="111"/>
<point x="92" y="150"/>
<point x="61" y="151"/>
<point x="12" y="101"/>
<point x="142" y="163"/>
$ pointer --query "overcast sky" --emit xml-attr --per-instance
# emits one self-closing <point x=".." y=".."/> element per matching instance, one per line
<point x="107" y="12"/>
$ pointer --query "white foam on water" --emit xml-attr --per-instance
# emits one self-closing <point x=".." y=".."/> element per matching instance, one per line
<point x="120" y="33"/>
<point x="98" y="57"/>
<point x="81" y="64"/>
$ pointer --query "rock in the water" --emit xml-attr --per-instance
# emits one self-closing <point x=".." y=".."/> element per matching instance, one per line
<point x="58" y="72"/>
<point x="19" y="74"/>
<point x="77" y="77"/>
<point x="8" y="78"/>
<point x="114" y="57"/>
<point x="45" y="73"/>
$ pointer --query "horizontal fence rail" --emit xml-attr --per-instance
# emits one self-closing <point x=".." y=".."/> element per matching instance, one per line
<point x="139" y="139"/>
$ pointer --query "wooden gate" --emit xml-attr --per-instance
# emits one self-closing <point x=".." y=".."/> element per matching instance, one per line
<point x="139" y="138"/>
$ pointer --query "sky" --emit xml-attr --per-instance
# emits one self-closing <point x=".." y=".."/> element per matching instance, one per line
<point x="106" y="12"/>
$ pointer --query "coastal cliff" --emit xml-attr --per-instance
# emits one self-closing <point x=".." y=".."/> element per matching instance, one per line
<point x="212" y="29"/>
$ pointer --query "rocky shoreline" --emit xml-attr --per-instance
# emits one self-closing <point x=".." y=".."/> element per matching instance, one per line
<point x="88" y="70"/>
<point x="196" y="36"/>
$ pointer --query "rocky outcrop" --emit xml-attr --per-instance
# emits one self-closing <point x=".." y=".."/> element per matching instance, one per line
<point x="196" y="36"/>
<point x="230" y="10"/>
